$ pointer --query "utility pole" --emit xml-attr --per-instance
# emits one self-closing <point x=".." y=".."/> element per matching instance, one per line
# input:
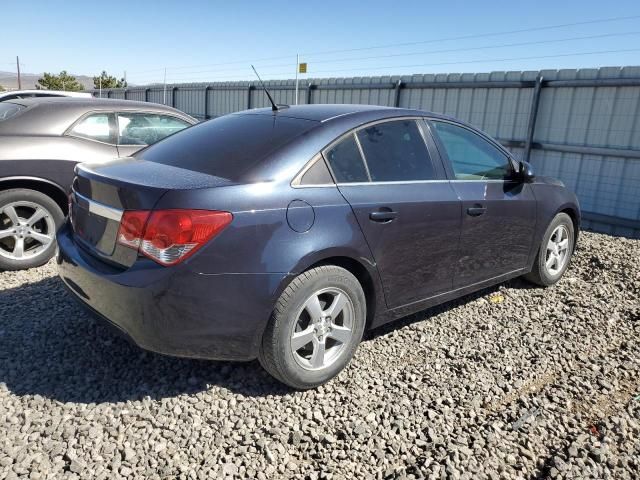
<point x="100" y="85"/>
<point x="297" y="68"/>
<point x="19" y="77"/>
<point x="125" y="77"/>
<point x="164" y="92"/>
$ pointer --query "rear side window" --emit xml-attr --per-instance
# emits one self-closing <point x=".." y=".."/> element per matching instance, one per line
<point x="396" y="151"/>
<point x="317" y="174"/>
<point x="8" y="110"/>
<point x="471" y="156"/>
<point x="227" y="146"/>
<point x="94" y="127"/>
<point x="146" y="128"/>
<point x="346" y="162"/>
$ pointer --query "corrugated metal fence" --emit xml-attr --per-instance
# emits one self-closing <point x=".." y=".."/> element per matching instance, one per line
<point x="581" y="126"/>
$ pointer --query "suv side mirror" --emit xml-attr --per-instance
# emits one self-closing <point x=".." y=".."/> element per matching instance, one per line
<point x="525" y="171"/>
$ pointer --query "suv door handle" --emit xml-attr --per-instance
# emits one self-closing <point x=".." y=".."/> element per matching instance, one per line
<point x="476" y="210"/>
<point x="383" y="216"/>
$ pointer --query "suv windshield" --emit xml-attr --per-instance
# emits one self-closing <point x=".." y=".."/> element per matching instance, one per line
<point x="228" y="146"/>
<point x="8" y="110"/>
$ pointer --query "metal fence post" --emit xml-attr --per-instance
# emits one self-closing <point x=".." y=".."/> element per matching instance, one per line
<point x="396" y="99"/>
<point x="249" y="88"/>
<point x="173" y="96"/>
<point x="206" y="102"/>
<point x="310" y="88"/>
<point x="533" y="116"/>
<point x="125" y="93"/>
<point x="146" y="94"/>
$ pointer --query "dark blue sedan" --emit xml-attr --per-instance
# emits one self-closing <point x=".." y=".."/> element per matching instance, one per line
<point x="284" y="234"/>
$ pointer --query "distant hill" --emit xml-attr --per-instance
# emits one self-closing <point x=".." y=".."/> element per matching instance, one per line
<point x="9" y="80"/>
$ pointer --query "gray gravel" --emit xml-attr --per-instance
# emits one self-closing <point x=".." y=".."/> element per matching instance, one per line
<point x="513" y="382"/>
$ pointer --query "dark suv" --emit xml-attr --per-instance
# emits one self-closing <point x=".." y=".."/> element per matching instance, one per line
<point x="284" y="234"/>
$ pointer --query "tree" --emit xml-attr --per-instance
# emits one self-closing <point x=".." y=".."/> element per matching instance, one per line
<point x="1" y="88"/>
<point x="108" y="81"/>
<point x="63" y="81"/>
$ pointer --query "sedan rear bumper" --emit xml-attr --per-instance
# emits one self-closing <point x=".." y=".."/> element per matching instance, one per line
<point x="173" y="311"/>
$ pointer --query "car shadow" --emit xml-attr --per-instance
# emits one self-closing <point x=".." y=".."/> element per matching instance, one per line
<point x="53" y="348"/>
<point x="517" y="283"/>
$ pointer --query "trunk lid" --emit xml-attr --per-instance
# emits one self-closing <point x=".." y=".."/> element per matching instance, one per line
<point x="102" y="192"/>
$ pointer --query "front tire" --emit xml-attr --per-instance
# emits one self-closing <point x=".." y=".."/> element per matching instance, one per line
<point x="315" y="327"/>
<point x="554" y="254"/>
<point x="29" y="221"/>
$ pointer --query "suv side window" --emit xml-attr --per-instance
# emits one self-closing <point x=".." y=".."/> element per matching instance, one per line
<point x="396" y="151"/>
<point x="346" y="162"/>
<point x="146" y="128"/>
<point x="95" y="127"/>
<point x="471" y="156"/>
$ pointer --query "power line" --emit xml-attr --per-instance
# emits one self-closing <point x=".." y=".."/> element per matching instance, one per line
<point x="480" y="35"/>
<point x="535" y="57"/>
<point x="428" y="52"/>
<point x="437" y="40"/>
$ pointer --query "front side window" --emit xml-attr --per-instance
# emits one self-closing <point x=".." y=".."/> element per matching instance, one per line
<point x="471" y="156"/>
<point x="146" y="128"/>
<point x="396" y="151"/>
<point x="346" y="162"/>
<point x="94" y="127"/>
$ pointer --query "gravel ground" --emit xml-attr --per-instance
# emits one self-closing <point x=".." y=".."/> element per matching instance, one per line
<point x="513" y="382"/>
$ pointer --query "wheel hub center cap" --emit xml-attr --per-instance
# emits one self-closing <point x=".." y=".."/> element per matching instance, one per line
<point x="323" y="327"/>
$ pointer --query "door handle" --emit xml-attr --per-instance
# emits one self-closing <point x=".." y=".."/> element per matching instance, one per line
<point x="476" y="210"/>
<point x="383" y="216"/>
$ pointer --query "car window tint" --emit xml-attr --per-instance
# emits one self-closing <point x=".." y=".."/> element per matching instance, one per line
<point x="8" y="110"/>
<point x="94" y="127"/>
<point x="396" y="151"/>
<point x="146" y="128"/>
<point x="229" y="146"/>
<point x="318" y="174"/>
<point x="346" y="162"/>
<point x="471" y="156"/>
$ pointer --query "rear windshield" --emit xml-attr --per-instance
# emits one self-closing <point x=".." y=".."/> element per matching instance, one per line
<point x="8" y="110"/>
<point x="228" y="146"/>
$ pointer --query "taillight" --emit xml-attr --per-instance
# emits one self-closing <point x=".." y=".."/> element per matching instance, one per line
<point x="132" y="228"/>
<point x="170" y="236"/>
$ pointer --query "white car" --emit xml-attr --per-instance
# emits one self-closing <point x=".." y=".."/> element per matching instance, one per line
<point x="18" y="94"/>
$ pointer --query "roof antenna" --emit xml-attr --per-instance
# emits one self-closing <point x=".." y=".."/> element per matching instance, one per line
<point x="274" y="106"/>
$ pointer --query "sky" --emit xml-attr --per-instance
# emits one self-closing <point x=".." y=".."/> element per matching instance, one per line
<point x="218" y="40"/>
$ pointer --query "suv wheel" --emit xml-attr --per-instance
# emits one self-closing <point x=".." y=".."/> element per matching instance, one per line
<point x="315" y="328"/>
<point x="555" y="252"/>
<point x="28" y="224"/>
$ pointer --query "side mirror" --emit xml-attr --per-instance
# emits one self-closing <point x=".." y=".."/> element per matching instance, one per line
<point x="525" y="171"/>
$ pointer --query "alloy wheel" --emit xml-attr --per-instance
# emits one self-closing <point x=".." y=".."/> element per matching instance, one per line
<point x="26" y="230"/>
<point x="323" y="329"/>
<point x="557" y="252"/>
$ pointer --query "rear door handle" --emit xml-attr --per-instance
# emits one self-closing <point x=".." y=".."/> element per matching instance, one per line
<point x="476" y="210"/>
<point x="383" y="217"/>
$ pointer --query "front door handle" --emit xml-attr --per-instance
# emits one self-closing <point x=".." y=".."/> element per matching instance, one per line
<point x="383" y="216"/>
<point x="476" y="210"/>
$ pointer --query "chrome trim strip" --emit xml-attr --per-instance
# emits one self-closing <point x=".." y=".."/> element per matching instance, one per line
<point x="410" y="182"/>
<point x="320" y="185"/>
<point x="98" y="208"/>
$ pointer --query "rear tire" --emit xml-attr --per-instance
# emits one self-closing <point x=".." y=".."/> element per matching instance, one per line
<point x="315" y="327"/>
<point x="29" y="221"/>
<point x="554" y="253"/>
